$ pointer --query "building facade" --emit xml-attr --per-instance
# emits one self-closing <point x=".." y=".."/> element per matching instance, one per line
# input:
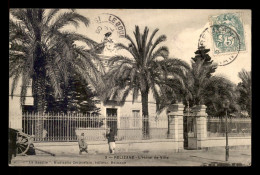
<point x="113" y="109"/>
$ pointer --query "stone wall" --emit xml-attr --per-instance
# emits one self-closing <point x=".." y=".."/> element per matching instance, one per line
<point x="221" y="141"/>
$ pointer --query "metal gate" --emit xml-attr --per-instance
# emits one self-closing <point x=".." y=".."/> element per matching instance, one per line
<point x="189" y="132"/>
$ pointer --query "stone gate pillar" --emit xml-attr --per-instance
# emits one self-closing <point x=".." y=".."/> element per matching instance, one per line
<point x="201" y="124"/>
<point x="175" y="119"/>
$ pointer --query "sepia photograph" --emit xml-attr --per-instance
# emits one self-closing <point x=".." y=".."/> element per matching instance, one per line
<point x="129" y="87"/>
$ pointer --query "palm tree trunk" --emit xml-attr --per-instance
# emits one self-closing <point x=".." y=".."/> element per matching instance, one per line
<point x="39" y="94"/>
<point x="39" y="80"/>
<point x="39" y="104"/>
<point x="145" y="128"/>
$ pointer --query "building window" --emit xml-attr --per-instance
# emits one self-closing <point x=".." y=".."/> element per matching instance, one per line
<point x="111" y="112"/>
<point x="27" y="108"/>
<point x="136" y="118"/>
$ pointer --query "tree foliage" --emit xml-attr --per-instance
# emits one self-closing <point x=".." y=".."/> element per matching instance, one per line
<point x="79" y="97"/>
<point x="245" y="91"/>
<point x="209" y="89"/>
<point x="197" y="85"/>
<point x="145" y="71"/>
<point x="41" y="50"/>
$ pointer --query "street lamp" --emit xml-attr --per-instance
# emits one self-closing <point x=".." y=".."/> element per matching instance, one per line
<point x="226" y="106"/>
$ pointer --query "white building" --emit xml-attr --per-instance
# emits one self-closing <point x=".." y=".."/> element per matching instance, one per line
<point x="15" y="109"/>
<point x="126" y="108"/>
<point x="110" y="108"/>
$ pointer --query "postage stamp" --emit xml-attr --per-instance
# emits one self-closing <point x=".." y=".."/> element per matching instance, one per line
<point x="223" y="41"/>
<point x="225" y="27"/>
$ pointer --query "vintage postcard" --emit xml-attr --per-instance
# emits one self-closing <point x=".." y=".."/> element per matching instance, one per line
<point x="129" y="87"/>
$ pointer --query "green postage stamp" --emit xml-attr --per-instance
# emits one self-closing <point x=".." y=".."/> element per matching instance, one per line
<point x="227" y="33"/>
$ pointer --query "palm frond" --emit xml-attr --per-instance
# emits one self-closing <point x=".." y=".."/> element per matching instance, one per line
<point x="90" y="71"/>
<point x="22" y="16"/>
<point x="50" y="15"/>
<point x="137" y="37"/>
<point x="174" y="62"/>
<point x="55" y="79"/>
<point x="160" y="39"/>
<point x="132" y="74"/>
<point x="135" y="94"/>
<point x="133" y="48"/>
<point x="155" y="91"/>
<point x="123" y="46"/>
<point x="15" y="81"/>
<point x="69" y="18"/>
<point x="245" y="77"/>
<point x="79" y="37"/>
<point x="144" y="39"/>
<point x="119" y="59"/>
<point x="26" y="78"/>
<point x="122" y="70"/>
<point x="17" y="32"/>
<point x="87" y="77"/>
<point x="125" y="93"/>
<point x="149" y="44"/>
<point x="161" y="52"/>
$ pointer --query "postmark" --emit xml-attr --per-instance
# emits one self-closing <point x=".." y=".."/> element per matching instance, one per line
<point x="110" y="23"/>
<point x="224" y="27"/>
<point x="109" y="29"/>
<point x="223" y="42"/>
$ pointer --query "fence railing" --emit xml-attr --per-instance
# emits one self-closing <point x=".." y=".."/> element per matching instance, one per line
<point x="236" y="127"/>
<point x="67" y="127"/>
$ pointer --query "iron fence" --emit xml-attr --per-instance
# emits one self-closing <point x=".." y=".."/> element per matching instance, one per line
<point x="236" y="127"/>
<point x="67" y="127"/>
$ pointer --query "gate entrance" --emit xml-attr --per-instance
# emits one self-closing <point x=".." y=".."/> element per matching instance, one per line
<point x="185" y="132"/>
<point x="189" y="132"/>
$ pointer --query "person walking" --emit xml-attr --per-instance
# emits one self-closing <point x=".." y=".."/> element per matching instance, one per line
<point x="83" y="146"/>
<point x="111" y="141"/>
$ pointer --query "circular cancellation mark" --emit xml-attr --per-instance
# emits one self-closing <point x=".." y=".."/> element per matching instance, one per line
<point x="223" y="42"/>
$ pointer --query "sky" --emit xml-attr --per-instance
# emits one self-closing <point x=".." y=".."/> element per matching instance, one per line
<point x="182" y="28"/>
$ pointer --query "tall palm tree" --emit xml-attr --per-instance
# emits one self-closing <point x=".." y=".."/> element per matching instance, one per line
<point x="195" y="91"/>
<point x="40" y="50"/>
<point x="198" y="86"/>
<point x="202" y="68"/>
<point x="143" y="72"/>
<point x="190" y="85"/>
<point x="209" y="89"/>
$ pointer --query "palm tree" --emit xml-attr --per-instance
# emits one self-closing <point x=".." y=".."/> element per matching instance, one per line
<point x="175" y="85"/>
<point x="202" y="68"/>
<point x="197" y="86"/>
<point x="40" y="50"/>
<point x="189" y="86"/>
<point x="209" y="89"/>
<point x="141" y="73"/>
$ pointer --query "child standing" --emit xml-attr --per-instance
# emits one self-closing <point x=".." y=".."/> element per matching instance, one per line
<point x="111" y="141"/>
<point x="83" y="146"/>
